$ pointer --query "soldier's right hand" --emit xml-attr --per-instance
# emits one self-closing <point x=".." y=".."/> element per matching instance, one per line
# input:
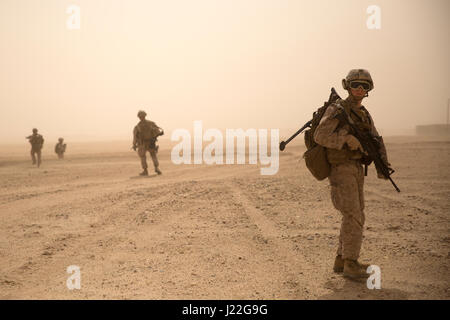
<point x="381" y="176"/>
<point x="353" y="143"/>
<point x="134" y="147"/>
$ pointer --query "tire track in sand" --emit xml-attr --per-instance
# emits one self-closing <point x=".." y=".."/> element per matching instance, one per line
<point x="298" y="272"/>
<point x="408" y="202"/>
<point x="51" y="254"/>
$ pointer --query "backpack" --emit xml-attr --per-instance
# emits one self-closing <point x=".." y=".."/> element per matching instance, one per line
<point x="147" y="130"/>
<point x="315" y="155"/>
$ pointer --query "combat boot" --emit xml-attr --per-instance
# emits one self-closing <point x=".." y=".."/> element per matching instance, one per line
<point x="353" y="270"/>
<point x="339" y="264"/>
<point x="144" y="173"/>
<point x="158" y="171"/>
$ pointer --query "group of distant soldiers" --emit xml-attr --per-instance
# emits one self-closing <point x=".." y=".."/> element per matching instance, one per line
<point x="145" y="136"/>
<point x="37" y="143"/>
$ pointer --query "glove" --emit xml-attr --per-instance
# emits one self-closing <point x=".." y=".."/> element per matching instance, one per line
<point x="381" y="176"/>
<point x="353" y="143"/>
<point x="162" y="132"/>
<point x="390" y="170"/>
<point x="134" y="147"/>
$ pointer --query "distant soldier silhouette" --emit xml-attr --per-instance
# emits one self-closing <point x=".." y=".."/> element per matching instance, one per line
<point x="37" y="142"/>
<point x="60" y="148"/>
<point x="145" y="135"/>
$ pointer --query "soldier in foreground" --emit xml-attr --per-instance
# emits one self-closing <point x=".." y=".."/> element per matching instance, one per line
<point x="37" y="142"/>
<point x="346" y="156"/>
<point x="145" y="135"/>
<point x="60" y="148"/>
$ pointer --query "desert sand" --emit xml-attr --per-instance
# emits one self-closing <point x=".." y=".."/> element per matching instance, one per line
<point x="215" y="232"/>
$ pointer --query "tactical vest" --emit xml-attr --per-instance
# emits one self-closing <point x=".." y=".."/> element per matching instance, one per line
<point x="36" y="141"/>
<point x="361" y="118"/>
<point x="146" y="131"/>
<point x="60" y="148"/>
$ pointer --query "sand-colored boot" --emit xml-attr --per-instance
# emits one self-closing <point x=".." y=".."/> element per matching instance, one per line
<point x="158" y="171"/>
<point x="339" y="264"/>
<point x="353" y="270"/>
<point x="144" y="173"/>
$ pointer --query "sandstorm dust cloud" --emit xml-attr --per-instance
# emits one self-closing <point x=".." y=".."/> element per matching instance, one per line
<point x="81" y="69"/>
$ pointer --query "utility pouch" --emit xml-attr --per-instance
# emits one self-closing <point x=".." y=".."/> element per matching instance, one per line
<point x="317" y="162"/>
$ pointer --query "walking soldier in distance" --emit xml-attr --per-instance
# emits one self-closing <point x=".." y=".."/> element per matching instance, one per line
<point x="60" y="148"/>
<point x="346" y="157"/>
<point x="145" y="135"/>
<point x="37" y="142"/>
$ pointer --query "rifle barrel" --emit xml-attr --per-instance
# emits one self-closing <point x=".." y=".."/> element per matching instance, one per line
<point x="299" y="131"/>
<point x="393" y="183"/>
<point x="284" y="143"/>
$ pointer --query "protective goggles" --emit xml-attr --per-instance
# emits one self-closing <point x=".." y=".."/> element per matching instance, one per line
<point x="356" y="84"/>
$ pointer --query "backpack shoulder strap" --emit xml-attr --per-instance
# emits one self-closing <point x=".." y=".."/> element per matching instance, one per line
<point x="368" y="114"/>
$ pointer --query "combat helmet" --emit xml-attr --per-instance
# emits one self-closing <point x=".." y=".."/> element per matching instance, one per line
<point x="142" y="112"/>
<point x="60" y="139"/>
<point x="357" y="74"/>
<point x="35" y="130"/>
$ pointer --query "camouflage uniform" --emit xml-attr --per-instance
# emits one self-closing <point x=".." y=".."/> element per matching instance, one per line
<point x="145" y="134"/>
<point x="37" y="142"/>
<point x="346" y="177"/>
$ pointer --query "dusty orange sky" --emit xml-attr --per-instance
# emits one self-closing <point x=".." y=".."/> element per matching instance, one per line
<point x="231" y="64"/>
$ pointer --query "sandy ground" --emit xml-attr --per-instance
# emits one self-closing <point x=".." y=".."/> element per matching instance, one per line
<point x="215" y="232"/>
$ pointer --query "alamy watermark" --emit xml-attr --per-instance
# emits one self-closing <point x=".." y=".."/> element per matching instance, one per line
<point x="213" y="153"/>
<point x="374" y="20"/>
<point x="374" y="280"/>
<point x="74" y="20"/>
<point x="74" y="280"/>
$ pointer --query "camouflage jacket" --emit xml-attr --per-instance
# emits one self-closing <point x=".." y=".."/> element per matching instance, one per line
<point x="36" y="141"/>
<point x="333" y="135"/>
<point x="60" y="147"/>
<point x="145" y="131"/>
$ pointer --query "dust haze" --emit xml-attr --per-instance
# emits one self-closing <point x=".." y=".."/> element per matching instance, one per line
<point x="215" y="231"/>
<point x="231" y="64"/>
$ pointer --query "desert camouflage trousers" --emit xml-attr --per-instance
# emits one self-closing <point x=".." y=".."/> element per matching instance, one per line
<point x="36" y="152"/>
<point x="142" y="150"/>
<point x="347" y="181"/>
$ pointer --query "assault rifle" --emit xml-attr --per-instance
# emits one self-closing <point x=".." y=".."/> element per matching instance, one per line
<point x="370" y="144"/>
